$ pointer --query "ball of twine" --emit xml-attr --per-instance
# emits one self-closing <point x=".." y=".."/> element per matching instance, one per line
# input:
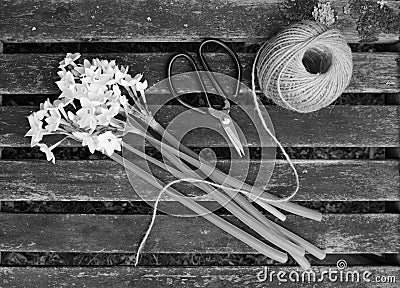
<point x="305" y="67"/>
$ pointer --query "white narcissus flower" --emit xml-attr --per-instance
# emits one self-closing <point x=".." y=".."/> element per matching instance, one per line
<point x="96" y="62"/>
<point x="86" y="64"/>
<point x="57" y="104"/>
<point x="67" y="81"/>
<point x="108" y="95"/>
<point x="106" y="115"/>
<point x="110" y="71"/>
<point x="124" y="69"/>
<point x="102" y="64"/>
<point x="120" y="74"/>
<point x="46" y="105"/>
<point x="128" y="81"/>
<point x="86" y="115"/>
<point x="80" y="90"/>
<point x="116" y="90"/>
<point x="108" y="142"/>
<point x="97" y="77"/>
<point x="69" y="60"/>
<point x="116" y="93"/>
<point x="68" y="94"/>
<point x="141" y="86"/>
<point x="48" y="152"/>
<point x="62" y="73"/>
<point x="111" y="67"/>
<point x="87" y="140"/>
<point x="36" y="131"/>
<point x="61" y="103"/>
<point x="96" y="93"/>
<point x="95" y="97"/>
<point x="87" y="103"/>
<point x="87" y="118"/>
<point x="53" y="120"/>
<point x="124" y="102"/>
<point x="43" y="112"/>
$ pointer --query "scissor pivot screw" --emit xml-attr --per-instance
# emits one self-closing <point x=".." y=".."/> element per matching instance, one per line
<point x="226" y="120"/>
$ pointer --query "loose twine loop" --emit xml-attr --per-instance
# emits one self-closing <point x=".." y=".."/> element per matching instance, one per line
<point x="305" y="67"/>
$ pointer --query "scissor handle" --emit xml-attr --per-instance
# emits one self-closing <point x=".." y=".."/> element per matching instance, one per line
<point x="212" y="78"/>
<point x="199" y="80"/>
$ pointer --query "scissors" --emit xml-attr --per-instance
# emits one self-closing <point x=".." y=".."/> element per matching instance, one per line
<point x="221" y="115"/>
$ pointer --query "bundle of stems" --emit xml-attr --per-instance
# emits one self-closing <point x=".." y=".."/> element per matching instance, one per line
<point x="223" y="190"/>
<point x="224" y="179"/>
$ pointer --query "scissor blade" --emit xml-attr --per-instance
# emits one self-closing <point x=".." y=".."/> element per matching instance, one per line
<point x="234" y="138"/>
<point x="227" y="124"/>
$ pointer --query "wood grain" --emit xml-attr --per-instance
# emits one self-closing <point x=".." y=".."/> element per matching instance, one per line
<point x="36" y="73"/>
<point x="160" y="277"/>
<point x="352" y="233"/>
<point x="342" y="180"/>
<point x="339" y="126"/>
<point x="123" y="20"/>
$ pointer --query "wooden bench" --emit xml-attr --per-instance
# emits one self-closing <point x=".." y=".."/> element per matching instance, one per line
<point x="239" y="23"/>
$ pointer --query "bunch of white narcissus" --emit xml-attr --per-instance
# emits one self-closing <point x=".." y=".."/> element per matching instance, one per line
<point x="91" y="108"/>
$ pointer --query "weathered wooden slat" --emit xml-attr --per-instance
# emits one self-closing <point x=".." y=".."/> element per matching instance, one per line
<point x="341" y="126"/>
<point x="53" y="21"/>
<point x="160" y="277"/>
<point x="342" y="180"/>
<point x="337" y="233"/>
<point x="36" y="73"/>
